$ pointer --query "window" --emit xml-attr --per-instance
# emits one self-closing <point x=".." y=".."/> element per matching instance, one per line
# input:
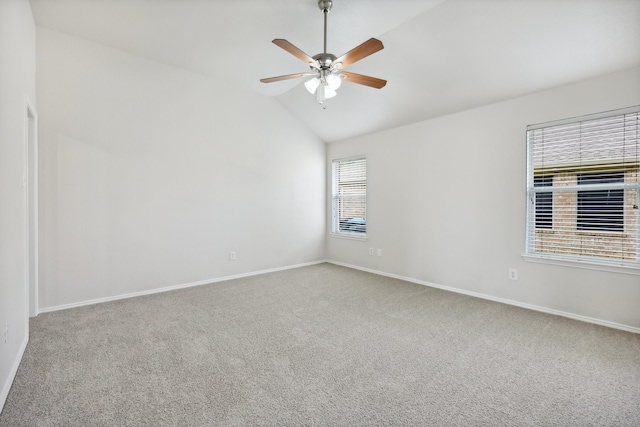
<point x="583" y="185"/>
<point x="349" y="197"/>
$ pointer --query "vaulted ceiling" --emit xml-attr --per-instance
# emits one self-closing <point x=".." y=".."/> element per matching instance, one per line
<point x="440" y="56"/>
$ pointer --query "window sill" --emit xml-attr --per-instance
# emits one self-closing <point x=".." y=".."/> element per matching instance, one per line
<point x="587" y="264"/>
<point x="349" y="236"/>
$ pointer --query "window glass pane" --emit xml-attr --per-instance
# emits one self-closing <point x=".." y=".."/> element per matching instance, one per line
<point x="600" y="177"/>
<point x="544" y="202"/>
<point x="349" y="197"/>
<point x="601" y="209"/>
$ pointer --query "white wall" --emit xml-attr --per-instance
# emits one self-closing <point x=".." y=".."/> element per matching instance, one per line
<point x="152" y="174"/>
<point x="446" y="204"/>
<point x="17" y="81"/>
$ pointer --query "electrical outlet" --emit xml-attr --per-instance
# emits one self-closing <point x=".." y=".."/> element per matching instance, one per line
<point x="513" y="274"/>
<point x="5" y="334"/>
<point x="370" y="251"/>
<point x="232" y="256"/>
<point x="379" y="252"/>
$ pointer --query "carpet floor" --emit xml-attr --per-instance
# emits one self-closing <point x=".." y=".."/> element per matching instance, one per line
<point x="321" y="345"/>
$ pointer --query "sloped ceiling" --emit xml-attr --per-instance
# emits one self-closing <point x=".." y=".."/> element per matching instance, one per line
<point x="440" y="56"/>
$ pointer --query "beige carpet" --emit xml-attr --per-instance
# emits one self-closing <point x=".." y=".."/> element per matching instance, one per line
<point x="321" y="345"/>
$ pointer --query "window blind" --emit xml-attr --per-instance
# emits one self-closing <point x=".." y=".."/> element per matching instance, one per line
<point x="349" y="196"/>
<point x="582" y="188"/>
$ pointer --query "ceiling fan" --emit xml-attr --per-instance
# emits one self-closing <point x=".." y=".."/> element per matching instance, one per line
<point x="327" y="69"/>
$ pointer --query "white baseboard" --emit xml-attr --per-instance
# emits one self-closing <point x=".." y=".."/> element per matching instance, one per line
<point x="174" y="287"/>
<point x="12" y="374"/>
<point x="547" y="310"/>
<point x="587" y="319"/>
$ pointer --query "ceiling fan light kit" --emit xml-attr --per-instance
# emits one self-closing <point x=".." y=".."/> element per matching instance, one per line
<point x="326" y="69"/>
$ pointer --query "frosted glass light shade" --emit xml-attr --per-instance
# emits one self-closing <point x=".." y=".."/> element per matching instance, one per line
<point x="323" y="88"/>
<point x="333" y="81"/>
<point x="312" y="85"/>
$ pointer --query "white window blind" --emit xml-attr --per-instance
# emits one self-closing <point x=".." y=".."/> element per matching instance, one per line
<point x="582" y="188"/>
<point x="349" y="196"/>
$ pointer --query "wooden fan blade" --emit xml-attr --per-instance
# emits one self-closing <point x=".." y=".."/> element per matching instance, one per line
<point x="286" y="77"/>
<point x="367" y="48"/>
<point x="294" y="51"/>
<point x="364" y="80"/>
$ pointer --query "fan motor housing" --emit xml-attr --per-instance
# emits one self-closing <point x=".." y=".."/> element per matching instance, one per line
<point x="325" y="60"/>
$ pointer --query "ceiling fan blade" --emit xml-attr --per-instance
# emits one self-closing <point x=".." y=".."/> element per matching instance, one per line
<point x="286" y="77"/>
<point x="367" y="48"/>
<point x="295" y="52"/>
<point x="363" y="80"/>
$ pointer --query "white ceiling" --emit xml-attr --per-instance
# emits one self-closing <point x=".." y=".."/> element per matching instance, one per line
<point x="440" y="56"/>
